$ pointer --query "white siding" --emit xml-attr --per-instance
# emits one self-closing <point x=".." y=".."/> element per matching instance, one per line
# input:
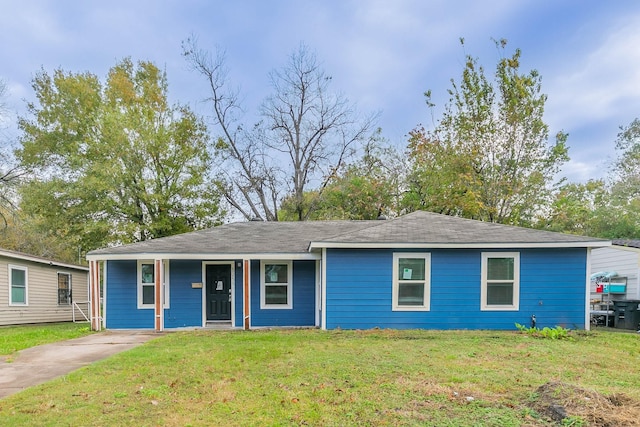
<point x="42" y="289"/>
<point x="626" y="262"/>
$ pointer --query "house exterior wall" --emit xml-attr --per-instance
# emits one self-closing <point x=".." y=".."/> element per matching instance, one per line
<point x="359" y="290"/>
<point x="121" y="293"/>
<point x="42" y="293"/>
<point x="238" y="293"/>
<point x="625" y="262"/>
<point x="302" y="312"/>
<point x="185" y="303"/>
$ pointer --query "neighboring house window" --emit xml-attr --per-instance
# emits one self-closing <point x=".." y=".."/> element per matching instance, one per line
<point x="276" y="284"/>
<point x="146" y="284"/>
<point x="500" y="281"/>
<point x="17" y="285"/>
<point x="64" y="289"/>
<point x="411" y="281"/>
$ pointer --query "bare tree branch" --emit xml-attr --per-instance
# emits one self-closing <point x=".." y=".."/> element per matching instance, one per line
<point x="305" y="136"/>
<point x="236" y="144"/>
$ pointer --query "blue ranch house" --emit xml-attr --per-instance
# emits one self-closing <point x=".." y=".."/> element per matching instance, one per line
<point x="421" y="270"/>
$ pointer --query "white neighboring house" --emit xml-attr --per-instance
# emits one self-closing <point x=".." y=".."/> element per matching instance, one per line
<point x="40" y="290"/>
<point x="623" y="257"/>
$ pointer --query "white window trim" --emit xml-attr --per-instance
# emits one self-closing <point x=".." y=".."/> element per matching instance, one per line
<point x="70" y="288"/>
<point x="26" y="285"/>
<point x="165" y="285"/>
<point x="516" y="282"/>
<point x="427" y="281"/>
<point x="263" y="285"/>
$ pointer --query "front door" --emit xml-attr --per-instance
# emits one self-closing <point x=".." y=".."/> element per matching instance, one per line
<point x="218" y="282"/>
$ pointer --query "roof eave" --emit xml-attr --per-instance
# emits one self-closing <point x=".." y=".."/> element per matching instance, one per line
<point x="202" y="256"/>
<point x="44" y="261"/>
<point x="422" y="245"/>
<point x="625" y="248"/>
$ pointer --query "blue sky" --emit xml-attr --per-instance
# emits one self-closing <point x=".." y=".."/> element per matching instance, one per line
<point x="382" y="54"/>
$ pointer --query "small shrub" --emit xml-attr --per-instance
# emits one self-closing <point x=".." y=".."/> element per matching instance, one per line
<point x="573" y="422"/>
<point x="557" y="333"/>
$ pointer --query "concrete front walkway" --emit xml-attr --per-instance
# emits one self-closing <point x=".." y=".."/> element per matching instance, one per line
<point x="40" y="364"/>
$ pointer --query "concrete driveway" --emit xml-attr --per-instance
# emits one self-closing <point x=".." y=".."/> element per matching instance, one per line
<point x="40" y="364"/>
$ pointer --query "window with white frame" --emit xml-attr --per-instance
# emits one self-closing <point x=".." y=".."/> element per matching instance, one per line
<point x="64" y="289"/>
<point x="276" y="284"/>
<point x="411" y="281"/>
<point x="500" y="281"/>
<point x="18" y="285"/>
<point x="146" y="284"/>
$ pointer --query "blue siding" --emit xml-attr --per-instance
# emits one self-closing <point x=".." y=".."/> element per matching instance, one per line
<point x="553" y="287"/>
<point x="122" y="298"/>
<point x="185" y="302"/>
<point x="237" y="294"/>
<point x="304" y="297"/>
<point x="359" y="290"/>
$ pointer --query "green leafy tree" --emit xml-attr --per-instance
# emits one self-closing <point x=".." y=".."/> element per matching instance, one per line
<point x="608" y="210"/>
<point x="114" y="162"/>
<point x="10" y="173"/>
<point x="625" y="185"/>
<point x="365" y="189"/>
<point x="22" y="235"/>
<point x="576" y="209"/>
<point x="488" y="156"/>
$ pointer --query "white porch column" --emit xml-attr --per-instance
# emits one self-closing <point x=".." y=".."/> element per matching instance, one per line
<point x="159" y="295"/>
<point x="94" y="295"/>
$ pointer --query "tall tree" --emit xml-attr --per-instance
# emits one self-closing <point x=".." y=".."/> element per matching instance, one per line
<point x="603" y="209"/>
<point x="114" y="163"/>
<point x="576" y="209"/>
<point x="626" y="169"/>
<point x="306" y="134"/>
<point x="23" y="235"/>
<point x="10" y="173"/>
<point x="488" y="156"/>
<point x="625" y="183"/>
<point x="367" y="188"/>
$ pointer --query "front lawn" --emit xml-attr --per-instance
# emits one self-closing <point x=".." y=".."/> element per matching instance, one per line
<point x="336" y="378"/>
<point x="18" y="337"/>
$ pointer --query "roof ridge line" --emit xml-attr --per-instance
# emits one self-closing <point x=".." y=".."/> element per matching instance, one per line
<point x="373" y="224"/>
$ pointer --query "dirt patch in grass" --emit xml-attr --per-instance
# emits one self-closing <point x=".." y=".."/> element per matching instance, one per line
<point x="571" y="405"/>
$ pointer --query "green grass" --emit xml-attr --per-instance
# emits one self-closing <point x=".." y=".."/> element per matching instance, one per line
<point x="330" y="378"/>
<point x="15" y="338"/>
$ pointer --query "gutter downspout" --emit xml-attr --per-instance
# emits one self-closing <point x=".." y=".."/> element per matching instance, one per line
<point x="323" y="281"/>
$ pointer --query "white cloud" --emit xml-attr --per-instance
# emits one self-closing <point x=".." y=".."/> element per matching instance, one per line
<point x="604" y="83"/>
<point x="389" y="53"/>
<point x="33" y="21"/>
<point x="382" y="54"/>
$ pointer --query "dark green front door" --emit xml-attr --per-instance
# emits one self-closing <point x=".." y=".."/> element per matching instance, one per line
<point x="218" y="282"/>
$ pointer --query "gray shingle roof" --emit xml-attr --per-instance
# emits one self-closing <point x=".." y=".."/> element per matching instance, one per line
<point x="630" y="243"/>
<point x="296" y="237"/>
<point x="432" y="228"/>
<point x="242" y="238"/>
